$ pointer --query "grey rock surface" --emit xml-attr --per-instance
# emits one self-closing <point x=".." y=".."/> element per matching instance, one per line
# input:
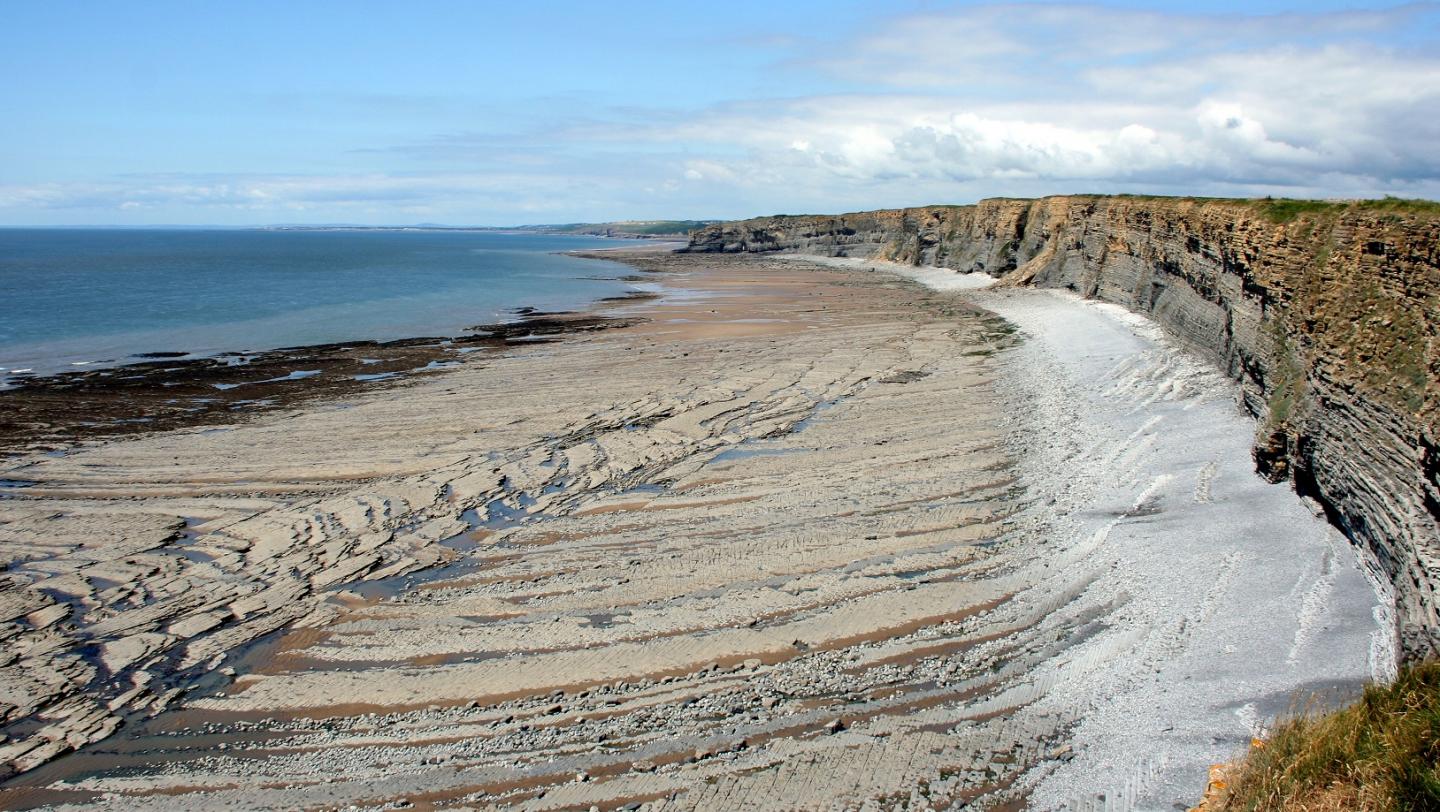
<point x="1327" y="318"/>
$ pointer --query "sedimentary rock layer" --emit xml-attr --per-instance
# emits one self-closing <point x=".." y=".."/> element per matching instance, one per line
<point x="622" y="522"/>
<point x="808" y="538"/>
<point x="1325" y="313"/>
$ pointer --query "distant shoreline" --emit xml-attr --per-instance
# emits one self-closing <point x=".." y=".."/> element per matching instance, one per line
<point x="86" y="300"/>
<point x="179" y="386"/>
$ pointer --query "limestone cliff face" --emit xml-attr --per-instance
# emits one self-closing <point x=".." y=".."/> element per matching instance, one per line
<point x="1325" y="313"/>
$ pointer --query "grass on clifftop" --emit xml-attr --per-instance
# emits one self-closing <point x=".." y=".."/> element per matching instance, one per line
<point x="1285" y="209"/>
<point x="1381" y="753"/>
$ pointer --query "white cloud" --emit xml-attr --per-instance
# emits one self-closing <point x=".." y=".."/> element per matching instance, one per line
<point x="1089" y="97"/>
<point x="273" y="192"/>
<point x="944" y="106"/>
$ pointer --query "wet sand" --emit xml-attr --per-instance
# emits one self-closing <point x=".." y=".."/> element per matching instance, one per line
<point x="805" y="537"/>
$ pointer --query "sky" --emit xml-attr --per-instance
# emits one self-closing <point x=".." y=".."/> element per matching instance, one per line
<point x="503" y="113"/>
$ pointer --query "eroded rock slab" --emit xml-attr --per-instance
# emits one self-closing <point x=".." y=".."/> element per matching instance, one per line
<point x="808" y="538"/>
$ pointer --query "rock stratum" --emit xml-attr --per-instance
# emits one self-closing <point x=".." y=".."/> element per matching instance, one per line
<point x="799" y="537"/>
<point x="1326" y="314"/>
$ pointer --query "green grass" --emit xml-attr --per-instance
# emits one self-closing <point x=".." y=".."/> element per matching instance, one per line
<point x="1192" y="198"/>
<point x="1400" y="204"/>
<point x="1380" y="754"/>
<point x="1286" y="210"/>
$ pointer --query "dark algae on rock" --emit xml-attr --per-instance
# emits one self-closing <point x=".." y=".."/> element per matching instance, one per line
<point x="55" y="412"/>
<point x="1324" y="311"/>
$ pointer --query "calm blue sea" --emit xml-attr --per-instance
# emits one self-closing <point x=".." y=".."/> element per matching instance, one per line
<point x="72" y="298"/>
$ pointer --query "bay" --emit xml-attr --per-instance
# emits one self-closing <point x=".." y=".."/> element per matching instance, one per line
<point x="73" y="298"/>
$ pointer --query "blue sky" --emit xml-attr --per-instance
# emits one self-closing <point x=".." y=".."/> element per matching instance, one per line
<point x="504" y="113"/>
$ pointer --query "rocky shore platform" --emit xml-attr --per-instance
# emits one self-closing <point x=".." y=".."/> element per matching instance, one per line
<point x="800" y="536"/>
<point x="171" y="390"/>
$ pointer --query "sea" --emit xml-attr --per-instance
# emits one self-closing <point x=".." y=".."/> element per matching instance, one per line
<point x="77" y="298"/>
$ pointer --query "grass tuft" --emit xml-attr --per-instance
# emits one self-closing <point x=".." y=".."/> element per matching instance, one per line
<point x="1380" y="754"/>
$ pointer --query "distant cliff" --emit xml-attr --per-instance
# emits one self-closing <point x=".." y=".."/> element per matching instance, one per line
<point x="1325" y="312"/>
<point x="629" y="229"/>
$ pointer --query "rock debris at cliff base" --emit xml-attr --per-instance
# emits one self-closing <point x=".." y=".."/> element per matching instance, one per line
<point x="809" y="538"/>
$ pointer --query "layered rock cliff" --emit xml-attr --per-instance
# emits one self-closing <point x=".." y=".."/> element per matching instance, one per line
<point x="1325" y="312"/>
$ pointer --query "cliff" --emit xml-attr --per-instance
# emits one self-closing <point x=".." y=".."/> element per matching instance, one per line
<point x="1326" y="313"/>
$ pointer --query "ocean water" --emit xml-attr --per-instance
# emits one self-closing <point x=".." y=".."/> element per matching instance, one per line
<point x="74" y="298"/>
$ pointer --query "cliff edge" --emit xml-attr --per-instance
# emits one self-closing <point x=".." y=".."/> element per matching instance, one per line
<point x="1325" y="312"/>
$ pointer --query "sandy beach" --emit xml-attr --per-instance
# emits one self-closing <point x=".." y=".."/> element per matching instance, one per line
<point x="801" y="535"/>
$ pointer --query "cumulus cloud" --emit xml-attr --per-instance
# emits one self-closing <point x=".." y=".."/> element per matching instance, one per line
<point x="1093" y="97"/>
<point x="942" y="106"/>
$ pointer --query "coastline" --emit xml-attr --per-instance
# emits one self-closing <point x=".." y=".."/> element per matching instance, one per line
<point x="161" y="391"/>
<point x="793" y="473"/>
<point x="238" y="296"/>
<point x="54" y="412"/>
<point x="1321" y="310"/>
